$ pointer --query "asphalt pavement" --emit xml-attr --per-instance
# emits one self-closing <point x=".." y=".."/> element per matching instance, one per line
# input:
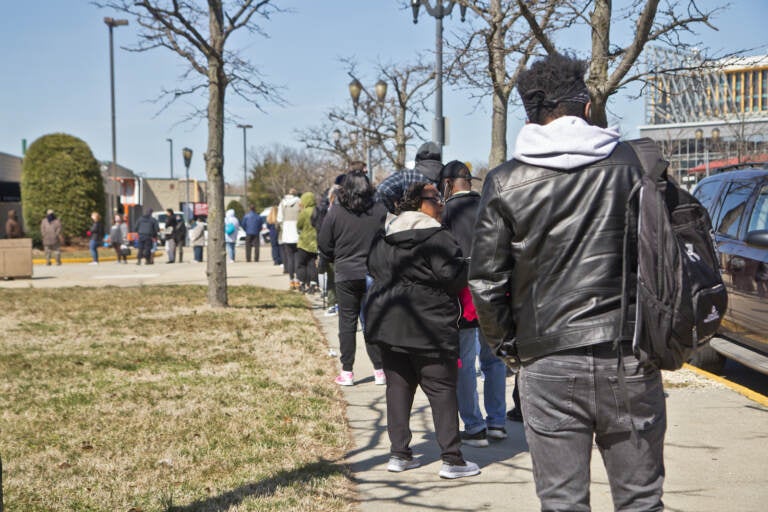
<point x="715" y="449"/>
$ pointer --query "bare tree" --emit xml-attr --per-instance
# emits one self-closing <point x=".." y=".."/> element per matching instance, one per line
<point x="198" y="32"/>
<point x="277" y="169"/>
<point x="611" y="65"/>
<point x="386" y="127"/>
<point x="489" y="56"/>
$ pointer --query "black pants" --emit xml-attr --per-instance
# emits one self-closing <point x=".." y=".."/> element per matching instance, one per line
<point x="306" y="266"/>
<point x="252" y="241"/>
<point x="289" y="260"/>
<point x="437" y="378"/>
<point x="180" y="251"/>
<point x="145" y="248"/>
<point x="349" y="296"/>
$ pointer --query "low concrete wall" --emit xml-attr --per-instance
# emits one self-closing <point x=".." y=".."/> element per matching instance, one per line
<point x="15" y="257"/>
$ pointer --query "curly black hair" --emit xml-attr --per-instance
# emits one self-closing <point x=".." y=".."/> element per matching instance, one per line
<point x="411" y="200"/>
<point x="356" y="192"/>
<point x="545" y="86"/>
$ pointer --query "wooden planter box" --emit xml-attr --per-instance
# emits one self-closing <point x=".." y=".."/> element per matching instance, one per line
<point x="15" y="257"/>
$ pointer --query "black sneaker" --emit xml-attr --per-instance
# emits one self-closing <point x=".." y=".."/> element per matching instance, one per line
<point x="515" y="414"/>
<point x="478" y="439"/>
<point x="497" y="432"/>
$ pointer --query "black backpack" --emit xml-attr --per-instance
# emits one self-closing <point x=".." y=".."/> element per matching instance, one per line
<point x="670" y="258"/>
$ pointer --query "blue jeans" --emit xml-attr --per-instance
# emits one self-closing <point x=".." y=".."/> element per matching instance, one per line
<point x="93" y="246"/>
<point x="231" y="251"/>
<point x="198" y="250"/>
<point x="494" y="389"/>
<point x="573" y="397"/>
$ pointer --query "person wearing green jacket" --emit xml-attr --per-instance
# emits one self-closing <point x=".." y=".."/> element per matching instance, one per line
<point x="306" y="248"/>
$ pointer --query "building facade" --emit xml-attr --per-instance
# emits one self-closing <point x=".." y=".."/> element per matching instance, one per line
<point x="707" y="115"/>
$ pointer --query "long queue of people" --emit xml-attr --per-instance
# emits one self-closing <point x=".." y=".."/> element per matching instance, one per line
<point x="530" y="269"/>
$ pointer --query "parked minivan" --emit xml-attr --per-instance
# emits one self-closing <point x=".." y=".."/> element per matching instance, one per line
<point x="737" y="201"/>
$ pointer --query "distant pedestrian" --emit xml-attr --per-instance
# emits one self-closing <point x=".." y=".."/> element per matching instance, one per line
<point x="118" y="238"/>
<point x="169" y="234"/>
<point x="252" y="224"/>
<point x="197" y="239"/>
<point x="12" y="226"/>
<point x="546" y="279"/>
<point x="51" y="233"/>
<point x="345" y="240"/>
<point x="95" y="235"/>
<point x="287" y="216"/>
<point x="231" y="227"/>
<point x="147" y="229"/>
<point x="180" y="237"/>
<point x="461" y="203"/>
<point x="274" y="240"/>
<point x="410" y="312"/>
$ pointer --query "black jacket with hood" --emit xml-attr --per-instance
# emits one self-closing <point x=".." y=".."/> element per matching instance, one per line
<point x="417" y="270"/>
<point x="546" y="266"/>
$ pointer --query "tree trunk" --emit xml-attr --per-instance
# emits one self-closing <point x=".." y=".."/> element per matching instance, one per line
<point x="498" y="153"/>
<point x="600" y="20"/>
<point x="498" y="65"/>
<point x="214" y="169"/>
<point x="400" y="139"/>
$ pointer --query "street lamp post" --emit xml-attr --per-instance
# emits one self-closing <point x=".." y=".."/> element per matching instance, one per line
<point x="112" y="23"/>
<point x="439" y="11"/>
<point x="187" y="154"/>
<point x="355" y="88"/>
<point x="245" y="166"/>
<point x="170" y="141"/>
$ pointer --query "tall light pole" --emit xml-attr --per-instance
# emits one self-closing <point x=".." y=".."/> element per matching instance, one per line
<point x="355" y="88"/>
<point x="187" y="154"/>
<point x="112" y="23"/>
<point x="245" y="167"/>
<point x="170" y="141"/>
<point x="439" y="11"/>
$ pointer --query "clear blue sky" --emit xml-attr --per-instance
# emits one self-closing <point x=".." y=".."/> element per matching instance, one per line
<point x="56" y="78"/>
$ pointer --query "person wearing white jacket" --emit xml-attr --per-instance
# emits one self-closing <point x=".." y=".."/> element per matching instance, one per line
<point x="231" y="227"/>
<point x="287" y="216"/>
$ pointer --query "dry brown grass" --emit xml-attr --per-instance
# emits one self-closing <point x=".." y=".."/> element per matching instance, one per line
<point x="145" y="399"/>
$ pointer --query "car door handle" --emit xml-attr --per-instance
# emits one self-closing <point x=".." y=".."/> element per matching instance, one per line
<point x="737" y="264"/>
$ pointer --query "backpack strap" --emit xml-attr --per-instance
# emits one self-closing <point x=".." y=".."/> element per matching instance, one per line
<point x="651" y="159"/>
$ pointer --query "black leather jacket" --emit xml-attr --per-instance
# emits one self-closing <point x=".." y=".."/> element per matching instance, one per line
<point x="546" y="257"/>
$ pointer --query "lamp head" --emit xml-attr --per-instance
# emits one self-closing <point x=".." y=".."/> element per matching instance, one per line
<point x="187" y="154"/>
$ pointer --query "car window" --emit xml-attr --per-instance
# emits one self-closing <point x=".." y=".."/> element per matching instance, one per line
<point x="759" y="217"/>
<point x="727" y="222"/>
<point x="706" y="194"/>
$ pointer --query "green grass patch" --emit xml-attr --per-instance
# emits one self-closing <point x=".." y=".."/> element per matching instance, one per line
<point x="146" y="399"/>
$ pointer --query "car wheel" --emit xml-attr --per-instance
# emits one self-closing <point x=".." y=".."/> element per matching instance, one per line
<point x="708" y="359"/>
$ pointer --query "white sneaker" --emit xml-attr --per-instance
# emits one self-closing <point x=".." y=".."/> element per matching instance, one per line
<point x="379" y="378"/>
<point x="332" y="311"/>
<point x="345" y="379"/>
<point x="398" y="465"/>
<point x="455" y="471"/>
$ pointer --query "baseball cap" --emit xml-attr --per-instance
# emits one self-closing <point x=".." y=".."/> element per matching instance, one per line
<point x="429" y="151"/>
<point x="456" y="169"/>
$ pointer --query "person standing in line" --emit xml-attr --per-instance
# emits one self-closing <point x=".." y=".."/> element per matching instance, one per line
<point x="231" y="227"/>
<point x="12" y="226"/>
<point x="427" y="170"/>
<point x="274" y="239"/>
<point x="287" y="216"/>
<point x="147" y="229"/>
<point x="118" y="236"/>
<point x="197" y="239"/>
<point x="546" y="278"/>
<point x="95" y="237"/>
<point x="306" y="248"/>
<point x="180" y="237"/>
<point x="459" y="218"/>
<point x="252" y="224"/>
<point x="345" y="238"/>
<point x="169" y="234"/>
<point x="410" y="313"/>
<point x="50" y="231"/>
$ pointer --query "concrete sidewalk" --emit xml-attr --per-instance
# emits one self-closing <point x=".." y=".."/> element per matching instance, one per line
<point x="715" y="449"/>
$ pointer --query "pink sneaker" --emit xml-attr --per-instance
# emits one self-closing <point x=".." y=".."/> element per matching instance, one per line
<point x="345" y="379"/>
<point x="379" y="378"/>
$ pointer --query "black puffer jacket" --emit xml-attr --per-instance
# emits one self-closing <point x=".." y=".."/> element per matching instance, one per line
<point x="546" y="257"/>
<point x="417" y="270"/>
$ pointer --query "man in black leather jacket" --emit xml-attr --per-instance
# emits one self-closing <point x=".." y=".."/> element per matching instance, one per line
<point x="545" y="277"/>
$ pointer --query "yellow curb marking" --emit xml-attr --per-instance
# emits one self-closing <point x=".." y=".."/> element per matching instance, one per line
<point x="742" y="390"/>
